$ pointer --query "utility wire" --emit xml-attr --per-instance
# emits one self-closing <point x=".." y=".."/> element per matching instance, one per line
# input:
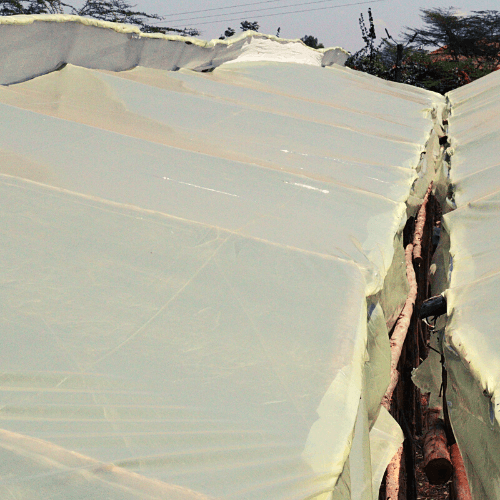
<point x="285" y="13"/>
<point x="248" y="11"/>
<point x="221" y="8"/>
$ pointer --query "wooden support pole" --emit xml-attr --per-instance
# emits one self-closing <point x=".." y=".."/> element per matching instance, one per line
<point x="460" y="484"/>
<point x="398" y="485"/>
<point x="419" y="228"/>
<point x="437" y="462"/>
<point x="394" y="481"/>
<point x="395" y="488"/>
<point x="401" y="328"/>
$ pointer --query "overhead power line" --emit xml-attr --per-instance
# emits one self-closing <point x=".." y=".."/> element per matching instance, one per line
<point x="221" y="8"/>
<point x="283" y="13"/>
<point x="249" y="11"/>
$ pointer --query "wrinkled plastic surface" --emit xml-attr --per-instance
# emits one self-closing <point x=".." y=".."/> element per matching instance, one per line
<point x="67" y="39"/>
<point x="472" y="341"/>
<point x="186" y="259"/>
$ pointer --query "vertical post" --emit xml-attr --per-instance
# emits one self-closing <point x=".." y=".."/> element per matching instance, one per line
<point x="399" y="60"/>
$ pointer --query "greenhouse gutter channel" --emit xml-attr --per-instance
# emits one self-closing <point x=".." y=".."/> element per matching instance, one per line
<point x="408" y="346"/>
<point x="408" y="342"/>
<point x="410" y="336"/>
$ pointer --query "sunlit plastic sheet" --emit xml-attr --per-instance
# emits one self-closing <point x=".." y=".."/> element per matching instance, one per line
<point x="36" y="44"/>
<point x="186" y="259"/>
<point x="472" y="346"/>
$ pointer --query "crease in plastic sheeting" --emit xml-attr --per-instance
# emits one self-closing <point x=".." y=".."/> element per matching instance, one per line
<point x="385" y="435"/>
<point x="130" y="48"/>
<point x="360" y="457"/>
<point x="477" y="434"/>
<point x="428" y="376"/>
<point x="361" y="468"/>
<point x="470" y="289"/>
<point x="377" y="369"/>
<point x="371" y="452"/>
<point x="74" y="476"/>
<point x="329" y="440"/>
<point x="374" y="443"/>
<point x="394" y="293"/>
<point x="342" y="490"/>
<point x="430" y="161"/>
<point x="386" y="438"/>
<point x="471" y="345"/>
<point x="381" y="256"/>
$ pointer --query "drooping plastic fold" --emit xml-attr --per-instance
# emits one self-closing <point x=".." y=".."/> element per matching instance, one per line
<point x="470" y="345"/>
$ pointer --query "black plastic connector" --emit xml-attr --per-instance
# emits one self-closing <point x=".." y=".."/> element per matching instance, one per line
<point x="433" y="307"/>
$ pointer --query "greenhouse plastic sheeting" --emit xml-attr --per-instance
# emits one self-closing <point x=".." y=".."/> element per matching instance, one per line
<point x="471" y="343"/>
<point x="186" y="262"/>
<point x="32" y="45"/>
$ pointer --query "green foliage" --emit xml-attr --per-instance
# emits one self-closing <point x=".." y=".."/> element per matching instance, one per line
<point x="476" y="36"/>
<point x="16" y="7"/>
<point x="249" y="26"/>
<point x="312" y="41"/>
<point x="371" y="58"/>
<point x="440" y="75"/>
<point x="229" y="32"/>
<point x="118" y="11"/>
<point x="468" y="48"/>
<point x="244" y="26"/>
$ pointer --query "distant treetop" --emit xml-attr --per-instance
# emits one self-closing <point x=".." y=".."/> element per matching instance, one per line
<point x="312" y="41"/>
<point x="118" y="11"/>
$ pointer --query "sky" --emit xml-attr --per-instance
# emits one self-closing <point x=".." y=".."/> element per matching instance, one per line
<point x="333" y="22"/>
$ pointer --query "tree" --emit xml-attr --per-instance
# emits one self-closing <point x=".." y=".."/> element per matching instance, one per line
<point x="370" y="58"/>
<point x="244" y="26"/>
<point x="15" y="7"/>
<point x="119" y="11"/>
<point x="312" y="42"/>
<point x="468" y="47"/>
<point x="228" y="33"/>
<point x="249" y="26"/>
<point x="458" y="37"/>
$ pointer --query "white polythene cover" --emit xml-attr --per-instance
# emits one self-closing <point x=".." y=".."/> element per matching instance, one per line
<point x="472" y="342"/>
<point x="186" y="261"/>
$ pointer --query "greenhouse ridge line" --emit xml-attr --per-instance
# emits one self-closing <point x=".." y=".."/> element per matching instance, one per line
<point x="283" y="13"/>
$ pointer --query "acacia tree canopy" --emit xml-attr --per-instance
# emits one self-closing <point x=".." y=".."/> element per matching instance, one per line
<point x="468" y="47"/>
<point x="475" y="36"/>
<point x="16" y="7"/>
<point x="119" y="11"/>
